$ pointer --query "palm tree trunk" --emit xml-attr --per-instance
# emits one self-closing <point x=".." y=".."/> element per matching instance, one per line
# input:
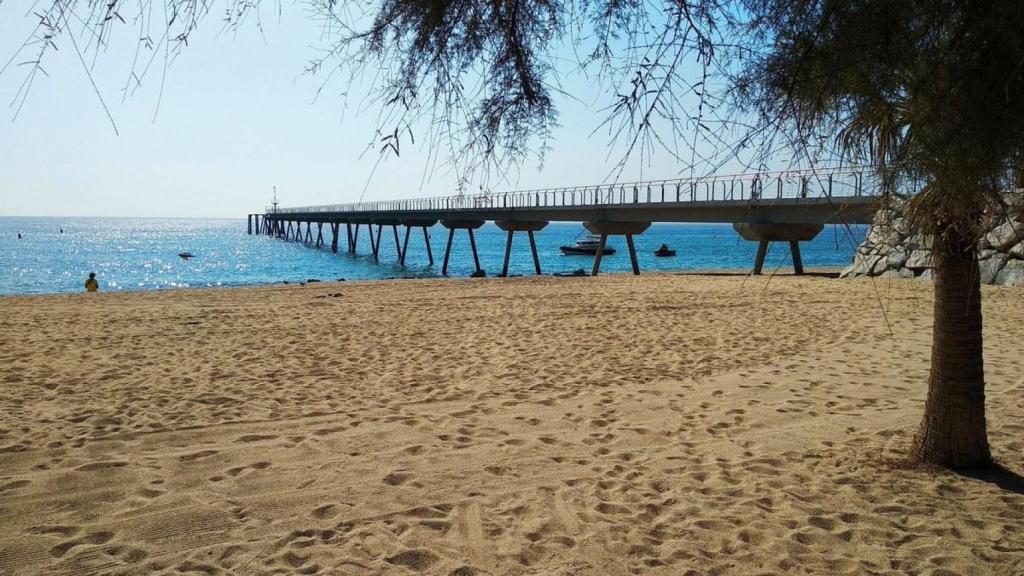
<point x="953" y="432"/>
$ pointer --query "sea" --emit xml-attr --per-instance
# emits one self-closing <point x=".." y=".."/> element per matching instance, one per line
<point x="56" y="255"/>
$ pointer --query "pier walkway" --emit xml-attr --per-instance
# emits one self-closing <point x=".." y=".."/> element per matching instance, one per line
<point x="764" y="207"/>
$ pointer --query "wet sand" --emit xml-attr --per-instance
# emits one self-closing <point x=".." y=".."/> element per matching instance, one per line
<point x="588" y="426"/>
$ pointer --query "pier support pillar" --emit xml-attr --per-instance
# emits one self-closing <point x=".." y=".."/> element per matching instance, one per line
<point x="472" y="244"/>
<point x="632" y="254"/>
<point x="319" y="234"/>
<point x="765" y="232"/>
<point x="606" y="229"/>
<point x="351" y="240"/>
<point x="373" y="244"/>
<point x="249" y="228"/>
<point x="426" y="241"/>
<point x="355" y="240"/>
<point x="288" y="232"/>
<point x="398" y="246"/>
<point x="405" y="247"/>
<point x="762" y="251"/>
<point x="798" y="263"/>
<point x="469" y="226"/>
<point x="447" y="252"/>
<point x="512" y="226"/>
<point x="309" y="233"/>
<point x="376" y="244"/>
<point x="334" y="236"/>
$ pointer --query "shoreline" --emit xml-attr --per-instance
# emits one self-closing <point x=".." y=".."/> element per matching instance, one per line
<point x="810" y="271"/>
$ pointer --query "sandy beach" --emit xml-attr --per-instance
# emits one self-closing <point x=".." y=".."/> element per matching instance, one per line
<point x="662" y="424"/>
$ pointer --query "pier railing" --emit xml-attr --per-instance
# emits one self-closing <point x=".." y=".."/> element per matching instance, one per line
<point x="795" y="184"/>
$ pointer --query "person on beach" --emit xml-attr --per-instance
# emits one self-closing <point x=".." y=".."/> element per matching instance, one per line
<point x="91" y="285"/>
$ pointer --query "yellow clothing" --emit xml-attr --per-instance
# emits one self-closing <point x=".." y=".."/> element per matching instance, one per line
<point x="91" y="285"/>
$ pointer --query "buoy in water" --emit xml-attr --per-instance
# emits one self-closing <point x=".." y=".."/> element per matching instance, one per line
<point x="186" y="255"/>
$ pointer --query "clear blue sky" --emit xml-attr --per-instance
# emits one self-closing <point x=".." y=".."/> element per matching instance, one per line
<point x="237" y="117"/>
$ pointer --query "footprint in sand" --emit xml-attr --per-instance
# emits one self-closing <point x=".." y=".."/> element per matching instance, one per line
<point x="240" y="470"/>
<point x="14" y="485"/>
<point x="256" y="438"/>
<point x="325" y="511"/>
<point x="415" y="560"/>
<point x="101" y="466"/>
<point x="94" y="538"/>
<point x="197" y="455"/>
<point x="397" y="478"/>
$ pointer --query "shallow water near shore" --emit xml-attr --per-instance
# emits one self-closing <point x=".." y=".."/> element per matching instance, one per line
<point x="56" y="254"/>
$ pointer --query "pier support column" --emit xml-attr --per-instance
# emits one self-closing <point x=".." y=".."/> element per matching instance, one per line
<point x="762" y="252"/>
<point x="426" y="241"/>
<point x="319" y="234"/>
<point x="512" y="226"/>
<point x="606" y="229"/>
<point x="472" y="244"/>
<point x="249" y="228"/>
<point x="405" y="247"/>
<point x="376" y="244"/>
<point x="765" y="232"/>
<point x="355" y="240"/>
<point x="469" y="226"/>
<point x="508" y="252"/>
<point x="351" y="240"/>
<point x="600" y="254"/>
<point x="373" y="244"/>
<point x="334" y="236"/>
<point x="798" y="263"/>
<point x="398" y="246"/>
<point x="288" y="232"/>
<point x="533" y="250"/>
<point x="447" y="252"/>
<point x="632" y="254"/>
<point x="309" y="233"/>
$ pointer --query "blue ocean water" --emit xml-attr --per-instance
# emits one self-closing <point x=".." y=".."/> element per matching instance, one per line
<point x="142" y="253"/>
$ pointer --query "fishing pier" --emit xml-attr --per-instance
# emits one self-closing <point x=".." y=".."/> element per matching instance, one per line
<point x="764" y="207"/>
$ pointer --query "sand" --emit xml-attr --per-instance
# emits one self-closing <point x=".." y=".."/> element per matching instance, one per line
<point x="580" y="426"/>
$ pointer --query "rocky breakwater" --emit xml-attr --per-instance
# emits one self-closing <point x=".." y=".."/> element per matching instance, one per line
<point x="890" y="250"/>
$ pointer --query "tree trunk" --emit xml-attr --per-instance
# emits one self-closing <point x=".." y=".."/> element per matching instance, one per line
<point x="953" y="432"/>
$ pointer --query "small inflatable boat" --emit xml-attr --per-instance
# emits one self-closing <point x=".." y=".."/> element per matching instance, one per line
<point x="186" y="255"/>
<point x="664" y="252"/>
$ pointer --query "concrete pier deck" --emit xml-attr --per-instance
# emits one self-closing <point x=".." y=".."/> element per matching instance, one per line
<point x="786" y="204"/>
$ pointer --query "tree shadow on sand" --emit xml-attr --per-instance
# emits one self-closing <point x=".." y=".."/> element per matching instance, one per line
<point x="1000" y="476"/>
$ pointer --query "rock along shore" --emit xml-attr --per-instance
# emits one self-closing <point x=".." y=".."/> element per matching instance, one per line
<point x="890" y="250"/>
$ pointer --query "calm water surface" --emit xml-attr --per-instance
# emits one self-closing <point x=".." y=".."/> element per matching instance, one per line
<point x="142" y="253"/>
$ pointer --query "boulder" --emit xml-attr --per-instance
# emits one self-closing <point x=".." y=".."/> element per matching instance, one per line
<point x="918" y="242"/>
<point x="883" y="235"/>
<point x="991" y="266"/>
<point x="880" y="265"/>
<point x="901" y="226"/>
<point x="901" y="273"/>
<point x="1018" y="251"/>
<point x="1006" y="235"/>
<point x="897" y="257"/>
<point x="1012" y="274"/>
<point x="919" y="259"/>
